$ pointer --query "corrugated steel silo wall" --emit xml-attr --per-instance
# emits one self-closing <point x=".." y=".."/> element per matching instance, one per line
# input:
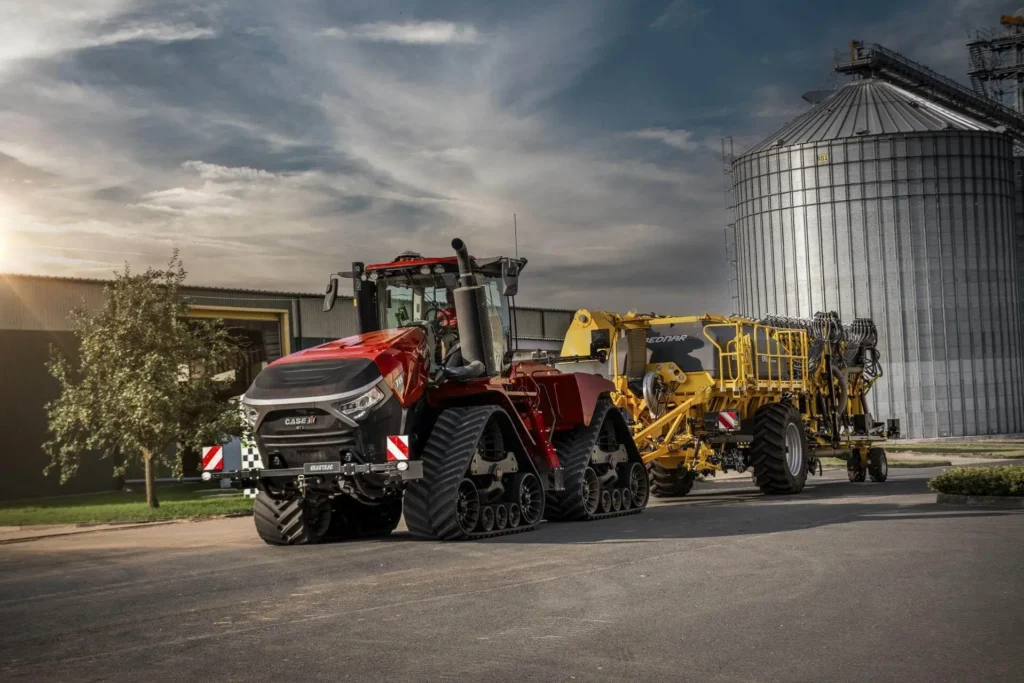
<point x="1018" y="222"/>
<point x="914" y="231"/>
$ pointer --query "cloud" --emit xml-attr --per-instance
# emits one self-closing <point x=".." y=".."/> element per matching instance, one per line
<point x="679" y="13"/>
<point x="271" y="156"/>
<point x="218" y="172"/>
<point x="154" y="33"/>
<point x="411" y="33"/>
<point x="41" y="30"/>
<point x="679" y="139"/>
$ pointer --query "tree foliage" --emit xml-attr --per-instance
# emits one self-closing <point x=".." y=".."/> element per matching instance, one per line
<point x="145" y="381"/>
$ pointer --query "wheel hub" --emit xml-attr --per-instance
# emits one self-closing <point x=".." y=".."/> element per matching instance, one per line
<point x="794" y="449"/>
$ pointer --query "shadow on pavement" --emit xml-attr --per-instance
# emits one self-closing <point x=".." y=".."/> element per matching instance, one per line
<point x="720" y="510"/>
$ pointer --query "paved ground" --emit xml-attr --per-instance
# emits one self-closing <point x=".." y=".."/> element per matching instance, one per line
<point x="842" y="583"/>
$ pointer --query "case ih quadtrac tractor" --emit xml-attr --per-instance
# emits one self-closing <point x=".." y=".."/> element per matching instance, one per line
<point x="426" y="407"/>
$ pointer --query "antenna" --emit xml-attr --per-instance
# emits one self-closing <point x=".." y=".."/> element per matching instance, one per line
<point x="515" y="229"/>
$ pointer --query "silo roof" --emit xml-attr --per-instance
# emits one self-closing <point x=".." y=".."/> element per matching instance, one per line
<point x="868" y="107"/>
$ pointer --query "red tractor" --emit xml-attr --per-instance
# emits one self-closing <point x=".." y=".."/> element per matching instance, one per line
<point x="426" y="406"/>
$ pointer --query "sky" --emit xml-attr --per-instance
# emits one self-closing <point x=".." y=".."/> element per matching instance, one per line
<point x="273" y="142"/>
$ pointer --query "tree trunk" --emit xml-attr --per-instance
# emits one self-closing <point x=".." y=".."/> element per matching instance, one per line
<point x="151" y="500"/>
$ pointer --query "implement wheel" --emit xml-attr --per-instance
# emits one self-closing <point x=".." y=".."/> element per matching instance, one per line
<point x="855" y="472"/>
<point x="878" y="465"/>
<point x="779" y="451"/>
<point x="670" y="483"/>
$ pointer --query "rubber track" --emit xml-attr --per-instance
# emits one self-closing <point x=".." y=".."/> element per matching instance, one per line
<point x="768" y="451"/>
<point x="668" y="483"/>
<point x="269" y="514"/>
<point x="430" y="502"/>
<point x="575" y="449"/>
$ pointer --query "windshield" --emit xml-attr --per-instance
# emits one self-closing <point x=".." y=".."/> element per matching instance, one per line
<point x="415" y="298"/>
<point x="412" y="299"/>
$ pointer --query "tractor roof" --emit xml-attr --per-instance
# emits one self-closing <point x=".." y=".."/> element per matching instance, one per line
<point x="412" y="261"/>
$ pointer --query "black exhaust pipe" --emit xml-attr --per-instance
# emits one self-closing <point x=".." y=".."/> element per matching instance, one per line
<point x="474" y="327"/>
<point x="466" y="278"/>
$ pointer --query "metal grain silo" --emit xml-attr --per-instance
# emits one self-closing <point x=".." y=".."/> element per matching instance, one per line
<point x="878" y="203"/>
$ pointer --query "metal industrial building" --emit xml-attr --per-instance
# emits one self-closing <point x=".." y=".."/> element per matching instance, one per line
<point x="883" y="202"/>
<point x="34" y="316"/>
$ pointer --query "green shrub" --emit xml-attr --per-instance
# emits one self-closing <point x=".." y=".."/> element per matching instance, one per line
<point x="981" y="481"/>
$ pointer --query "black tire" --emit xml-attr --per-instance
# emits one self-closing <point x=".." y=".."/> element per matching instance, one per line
<point x="353" y="519"/>
<point x="431" y="502"/>
<point x="878" y="465"/>
<point x="666" y="483"/>
<point x="775" y="425"/>
<point x="574" y="450"/>
<point x="854" y="472"/>
<point x="291" y="521"/>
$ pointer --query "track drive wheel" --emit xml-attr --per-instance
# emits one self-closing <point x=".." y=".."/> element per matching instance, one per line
<point x="583" y="495"/>
<point x="779" y="451"/>
<point x="878" y="465"/>
<point x="670" y="483"/>
<point x="291" y="521"/>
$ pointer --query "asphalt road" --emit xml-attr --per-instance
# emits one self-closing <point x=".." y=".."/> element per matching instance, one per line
<point x="844" y="582"/>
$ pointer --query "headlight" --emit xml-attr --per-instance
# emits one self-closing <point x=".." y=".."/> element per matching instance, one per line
<point x="251" y="415"/>
<point x="359" y="407"/>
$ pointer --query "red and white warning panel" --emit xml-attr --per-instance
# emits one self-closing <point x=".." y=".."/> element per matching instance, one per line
<point x="728" y="420"/>
<point x="398" y="448"/>
<point x="213" y="458"/>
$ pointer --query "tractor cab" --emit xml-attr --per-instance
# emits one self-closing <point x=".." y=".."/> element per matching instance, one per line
<point x="413" y="290"/>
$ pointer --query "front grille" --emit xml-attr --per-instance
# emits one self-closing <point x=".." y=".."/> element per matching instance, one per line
<point x="305" y="435"/>
<point x="298" y="449"/>
<point x="338" y="439"/>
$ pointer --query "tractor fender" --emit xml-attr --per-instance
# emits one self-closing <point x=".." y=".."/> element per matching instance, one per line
<point x="575" y="395"/>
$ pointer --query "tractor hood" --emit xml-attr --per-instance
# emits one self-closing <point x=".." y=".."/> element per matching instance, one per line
<point x="340" y="367"/>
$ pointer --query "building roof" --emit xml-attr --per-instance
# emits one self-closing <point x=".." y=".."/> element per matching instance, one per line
<point x="101" y="281"/>
<point x="868" y="107"/>
<point x="227" y="290"/>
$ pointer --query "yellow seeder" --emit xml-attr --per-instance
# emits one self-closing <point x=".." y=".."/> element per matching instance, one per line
<point x="712" y="393"/>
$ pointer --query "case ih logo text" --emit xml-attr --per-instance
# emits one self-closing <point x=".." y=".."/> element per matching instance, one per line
<point x="300" y="421"/>
<point x="669" y="338"/>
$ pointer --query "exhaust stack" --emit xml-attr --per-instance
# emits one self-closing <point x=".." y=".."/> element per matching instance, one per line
<point x="471" y="311"/>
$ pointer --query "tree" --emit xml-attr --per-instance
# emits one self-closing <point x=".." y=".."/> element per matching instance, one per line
<point x="146" y="380"/>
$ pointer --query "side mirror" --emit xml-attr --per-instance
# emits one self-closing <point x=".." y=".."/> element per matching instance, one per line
<point x="509" y="277"/>
<point x="331" y="295"/>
